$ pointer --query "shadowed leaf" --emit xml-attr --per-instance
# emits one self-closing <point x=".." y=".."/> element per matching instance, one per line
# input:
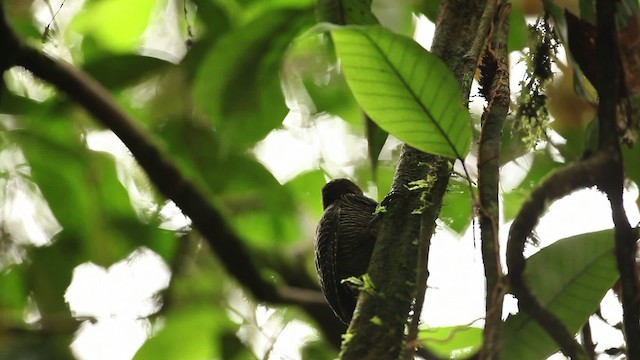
<point x="570" y="278"/>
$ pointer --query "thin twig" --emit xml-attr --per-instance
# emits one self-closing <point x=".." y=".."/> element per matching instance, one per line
<point x="47" y="28"/>
<point x="189" y="41"/>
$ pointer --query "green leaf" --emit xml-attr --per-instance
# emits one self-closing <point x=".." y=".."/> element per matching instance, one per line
<point x="376" y="137"/>
<point x="335" y="98"/>
<point x="196" y="148"/>
<point x="588" y="10"/>
<point x="306" y="191"/>
<point x="263" y="211"/>
<point x="14" y="292"/>
<point x="517" y="30"/>
<point x="452" y="342"/>
<point x="238" y="83"/>
<point x="83" y="191"/>
<point x="318" y="350"/>
<point x="202" y="323"/>
<point x="216" y="23"/>
<point x="570" y="278"/>
<point x="430" y="9"/>
<point x="405" y="89"/>
<point x="119" y="71"/>
<point x="10" y="103"/>
<point x="116" y="24"/>
<point x="21" y="17"/>
<point x="456" y="206"/>
<point x="33" y="345"/>
<point x="49" y="276"/>
<point x="259" y="208"/>
<point x="632" y="163"/>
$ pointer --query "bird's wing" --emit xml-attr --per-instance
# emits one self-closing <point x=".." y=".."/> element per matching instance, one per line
<point x="326" y="258"/>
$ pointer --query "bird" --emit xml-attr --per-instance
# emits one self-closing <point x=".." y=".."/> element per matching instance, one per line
<point x="344" y="241"/>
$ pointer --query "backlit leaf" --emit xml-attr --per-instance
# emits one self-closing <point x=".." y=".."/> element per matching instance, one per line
<point x="116" y="24"/>
<point x="405" y="89"/>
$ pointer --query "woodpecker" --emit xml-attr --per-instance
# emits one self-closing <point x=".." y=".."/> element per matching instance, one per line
<point x="344" y="242"/>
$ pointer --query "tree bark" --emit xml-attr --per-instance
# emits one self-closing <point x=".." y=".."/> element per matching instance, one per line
<point x="377" y="329"/>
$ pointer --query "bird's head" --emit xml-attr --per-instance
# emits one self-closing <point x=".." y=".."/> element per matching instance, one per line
<point x="336" y="189"/>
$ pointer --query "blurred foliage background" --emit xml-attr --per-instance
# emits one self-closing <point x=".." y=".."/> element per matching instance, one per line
<point x="95" y="264"/>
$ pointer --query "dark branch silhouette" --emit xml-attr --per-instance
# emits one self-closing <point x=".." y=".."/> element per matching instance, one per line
<point x="165" y="175"/>
<point x="608" y="65"/>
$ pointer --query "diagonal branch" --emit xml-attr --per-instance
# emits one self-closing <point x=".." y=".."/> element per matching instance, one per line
<point x="165" y="175"/>
<point x="160" y="169"/>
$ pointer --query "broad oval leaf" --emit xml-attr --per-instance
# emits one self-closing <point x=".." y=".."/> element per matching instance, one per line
<point x="405" y="89"/>
<point x="570" y="278"/>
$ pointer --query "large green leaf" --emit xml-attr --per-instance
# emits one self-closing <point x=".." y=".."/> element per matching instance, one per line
<point x="405" y="89"/>
<point x="569" y="278"/>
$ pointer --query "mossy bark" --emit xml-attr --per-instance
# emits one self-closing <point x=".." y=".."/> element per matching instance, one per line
<point x="378" y="327"/>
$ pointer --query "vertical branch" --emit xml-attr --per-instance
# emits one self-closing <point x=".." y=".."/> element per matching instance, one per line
<point x="377" y="329"/>
<point x="608" y="85"/>
<point x="495" y="83"/>
<point x="482" y="34"/>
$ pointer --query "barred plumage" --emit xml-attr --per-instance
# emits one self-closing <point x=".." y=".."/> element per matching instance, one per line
<point x="344" y="242"/>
